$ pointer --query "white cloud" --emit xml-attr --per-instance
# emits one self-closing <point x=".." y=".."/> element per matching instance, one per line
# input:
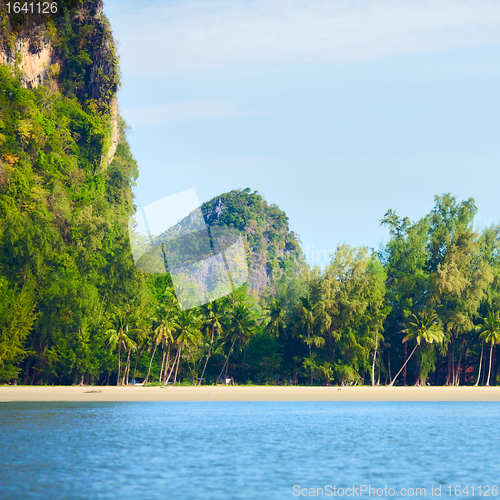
<point x="170" y="38"/>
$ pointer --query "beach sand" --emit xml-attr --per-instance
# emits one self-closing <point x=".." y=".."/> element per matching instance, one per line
<point x="238" y="393"/>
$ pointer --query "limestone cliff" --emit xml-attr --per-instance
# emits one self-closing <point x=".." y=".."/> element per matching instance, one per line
<point x="270" y="246"/>
<point x="271" y="249"/>
<point x="72" y="51"/>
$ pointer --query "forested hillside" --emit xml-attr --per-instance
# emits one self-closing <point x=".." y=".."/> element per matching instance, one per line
<point x="65" y="265"/>
<point x="271" y="248"/>
<point x="74" y="309"/>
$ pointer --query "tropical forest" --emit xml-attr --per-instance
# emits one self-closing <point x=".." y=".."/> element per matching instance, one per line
<point x="423" y="309"/>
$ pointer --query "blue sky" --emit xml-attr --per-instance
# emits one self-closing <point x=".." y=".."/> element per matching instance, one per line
<point x="334" y="110"/>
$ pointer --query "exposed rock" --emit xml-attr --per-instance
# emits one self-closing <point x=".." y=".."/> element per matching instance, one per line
<point x="33" y="56"/>
<point x="115" y="134"/>
<point x="86" y="66"/>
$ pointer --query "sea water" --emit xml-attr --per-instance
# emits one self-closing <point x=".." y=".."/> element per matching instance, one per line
<point x="248" y="450"/>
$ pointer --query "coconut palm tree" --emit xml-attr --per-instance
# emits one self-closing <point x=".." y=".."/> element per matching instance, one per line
<point x="276" y="318"/>
<point x="305" y="317"/>
<point x="118" y="337"/>
<point x="186" y="333"/>
<point x="422" y="327"/>
<point x="490" y="333"/>
<point x="162" y="334"/>
<point x="212" y="323"/>
<point x="305" y="323"/>
<point x="480" y="364"/>
<point x="241" y="325"/>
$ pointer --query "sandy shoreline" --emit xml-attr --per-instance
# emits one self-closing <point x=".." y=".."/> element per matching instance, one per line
<point x="236" y="393"/>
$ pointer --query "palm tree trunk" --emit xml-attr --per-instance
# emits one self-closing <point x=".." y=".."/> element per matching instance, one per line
<point x="139" y="354"/>
<point x="119" y="364"/>
<point x="164" y="381"/>
<point x="125" y="371"/>
<point x="196" y="366"/>
<point x="404" y="366"/>
<point x="124" y="379"/>
<point x="450" y="353"/>
<point x="374" y="358"/>
<point x="308" y="336"/>
<point x="150" y="361"/>
<point x="493" y="371"/>
<point x="208" y="355"/>
<point x="162" y="365"/>
<point x="464" y="372"/>
<point x="456" y="382"/>
<point x="489" y="371"/>
<point x="408" y="359"/>
<point x="178" y="363"/>
<point x="227" y="361"/>
<point x="389" y="364"/>
<point x="173" y="366"/>
<point x="484" y="371"/>
<point x="453" y="360"/>
<point x="128" y="369"/>
<point x="128" y="366"/>
<point x="456" y="378"/>
<point x="480" y="363"/>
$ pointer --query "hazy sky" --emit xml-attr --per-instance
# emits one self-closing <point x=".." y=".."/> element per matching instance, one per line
<point x="334" y="110"/>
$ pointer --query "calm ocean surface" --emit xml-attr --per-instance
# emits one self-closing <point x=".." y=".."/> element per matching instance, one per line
<point x="222" y="450"/>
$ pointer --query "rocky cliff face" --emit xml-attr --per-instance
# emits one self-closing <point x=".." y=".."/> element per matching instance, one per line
<point x="270" y="250"/>
<point x="72" y="51"/>
<point x="270" y="246"/>
<point x="33" y="59"/>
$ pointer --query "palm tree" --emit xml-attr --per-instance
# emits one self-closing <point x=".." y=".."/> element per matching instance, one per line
<point x="186" y="333"/>
<point x="305" y="317"/>
<point x="212" y="323"/>
<point x="491" y="335"/>
<point x="276" y="322"/>
<point x="162" y="334"/>
<point x="119" y="337"/>
<point x="424" y="327"/>
<point x="305" y="322"/>
<point x="480" y="364"/>
<point x="130" y="346"/>
<point x="241" y="325"/>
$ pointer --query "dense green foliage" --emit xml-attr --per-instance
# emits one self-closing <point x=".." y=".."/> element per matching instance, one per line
<point x="425" y="309"/>
<point x="84" y="63"/>
<point x="270" y="246"/>
<point x="433" y="288"/>
<point x="65" y="263"/>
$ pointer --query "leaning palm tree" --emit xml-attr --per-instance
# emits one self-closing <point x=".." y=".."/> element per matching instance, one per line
<point x="130" y="346"/>
<point x="422" y="326"/>
<point x="490" y="333"/>
<point x="186" y="333"/>
<point x="162" y="334"/>
<point x="480" y="364"/>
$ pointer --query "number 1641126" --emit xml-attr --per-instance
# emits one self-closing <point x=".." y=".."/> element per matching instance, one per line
<point x="31" y="8"/>
<point x="481" y="491"/>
